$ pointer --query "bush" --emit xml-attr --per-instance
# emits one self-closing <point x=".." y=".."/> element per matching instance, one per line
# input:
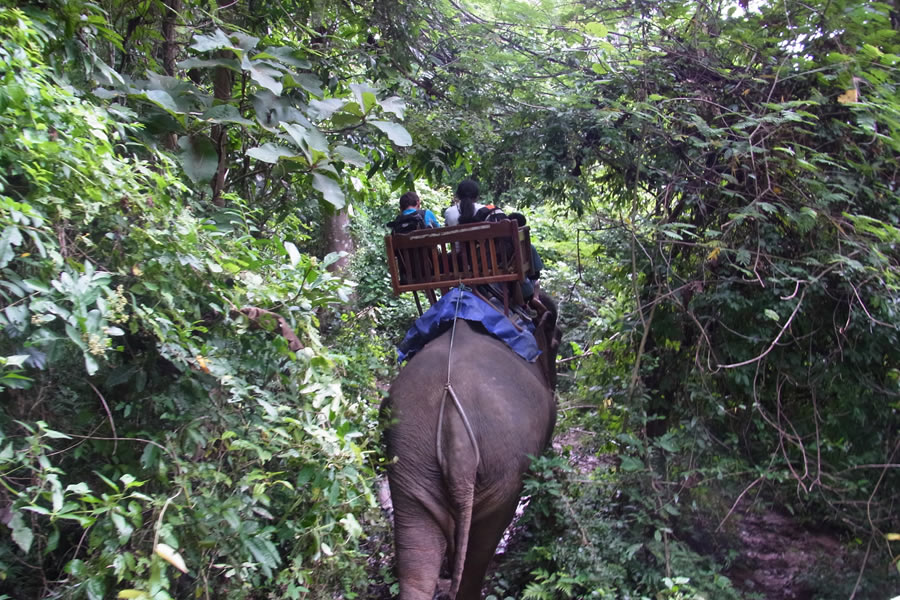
<point x="171" y="406"/>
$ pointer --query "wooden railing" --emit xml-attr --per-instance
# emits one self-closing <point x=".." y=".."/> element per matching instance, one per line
<point x="472" y="254"/>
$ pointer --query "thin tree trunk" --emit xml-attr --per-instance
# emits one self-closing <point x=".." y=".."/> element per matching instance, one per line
<point x="170" y="51"/>
<point x="222" y="82"/>
<point x="338" y="238"/>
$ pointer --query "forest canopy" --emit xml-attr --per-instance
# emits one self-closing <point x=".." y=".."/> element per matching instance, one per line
<point x="198" y="326"/>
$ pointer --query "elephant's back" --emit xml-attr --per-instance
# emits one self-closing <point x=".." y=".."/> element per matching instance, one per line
<point x="505" y="399"/>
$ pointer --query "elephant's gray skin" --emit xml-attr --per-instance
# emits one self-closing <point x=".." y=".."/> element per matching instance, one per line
<point x="510" y="406"/>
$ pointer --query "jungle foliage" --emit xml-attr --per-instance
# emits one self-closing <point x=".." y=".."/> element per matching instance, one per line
<point x="189" y="385"/>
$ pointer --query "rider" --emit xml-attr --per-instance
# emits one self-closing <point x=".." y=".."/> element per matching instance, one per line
<point x="467" y="192"/>
<point x="410" y="203"/>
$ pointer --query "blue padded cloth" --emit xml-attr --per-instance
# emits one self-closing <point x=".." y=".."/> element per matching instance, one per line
<point x="439" y="318"/>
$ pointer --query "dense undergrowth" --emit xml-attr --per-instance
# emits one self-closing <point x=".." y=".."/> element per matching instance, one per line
<point x="165" y="383"/>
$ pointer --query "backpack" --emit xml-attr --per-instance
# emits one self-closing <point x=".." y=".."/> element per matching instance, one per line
<point x="490" y="213"/>
<point x="408" y="223"/>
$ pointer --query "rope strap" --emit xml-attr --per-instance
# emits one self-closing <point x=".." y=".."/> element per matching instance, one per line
<point x="448" y="390"/>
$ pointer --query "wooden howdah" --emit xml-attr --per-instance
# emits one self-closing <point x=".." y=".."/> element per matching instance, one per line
<point x="472" y="254"/>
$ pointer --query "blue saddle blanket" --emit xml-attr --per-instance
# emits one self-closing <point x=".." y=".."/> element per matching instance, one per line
<point x="439" y="318"/>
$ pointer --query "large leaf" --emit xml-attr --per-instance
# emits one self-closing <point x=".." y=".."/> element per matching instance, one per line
<point x="396" y="133"/>
<point x="225" y="113"/>
<point x="162" y="99"/>
<point x="330" y="189"/>
<point x="313" y="138"/>
<point x="199" y="158"/>
<point x="270" y="152"/>
<point x="195" y="63"/>
<point x="263" y="75"/>
<point x="215" y="41"/>
<point x="243" y="41"/>
<point x="308" y="82"/>
<point x="365" y="96"/>
<point x="351" y="156"/>
<point x="271" y="110"/>
<point x="323" y="109"/>
<point x="286" y="55"/>
<point x="394" y="104"/>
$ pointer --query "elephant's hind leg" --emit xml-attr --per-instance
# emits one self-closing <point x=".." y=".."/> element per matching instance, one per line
<point x="485" y="534"/>
<point x="420" y="545"/>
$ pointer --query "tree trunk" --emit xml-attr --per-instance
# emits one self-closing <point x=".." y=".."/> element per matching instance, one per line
<point x="338" y="239"/>
<point x="170" y="50"/>
<point x="222" y="81"/>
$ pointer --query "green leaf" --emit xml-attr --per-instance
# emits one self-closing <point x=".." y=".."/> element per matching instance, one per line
<point x="11" y="237"/>
<point x="21" y="533"/>
<point x="216" y="41"/>
<point x="124" y="528"/>
<point x="313" y="138"/>
<point x="596" y="29"/>
<point x="38" y="286"/>
<point x="667" y="443"/>
<point x="351" y="156"/>
<point x="225" y="113"/>
<point x="395" y="132"/>
<point x="17" y="360"/>
<point x="263" y="75"/>
<point x="351" y="525"/>
<point x="329" y="189"/>
<point x="199" y="158"/>
<point x="200" y="63"/>
<point x="265" y="553"/>
<point x="286" y="55"/>
<point x="393" y="104"/>
<point x="293" y="253"/>
<point x="323" y="109"/>
<point x="308" y="82"/>
<point x="52" y="541"/>
<point x="95" y="588"/>
<point x="162" y="99"/>
<point x="365" y="96"/>
<point x="90" y="364"/>
<point x="771" y="314"/>
<point x="56" y="435"/>
<point x="630" y="464"/>
<point x="244" y="42"/>
<point x="270" y="153"/>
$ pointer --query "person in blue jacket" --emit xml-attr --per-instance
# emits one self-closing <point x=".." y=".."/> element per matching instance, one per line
<point x="410" y="203"/>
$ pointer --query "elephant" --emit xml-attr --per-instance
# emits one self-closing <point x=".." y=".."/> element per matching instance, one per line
<point x="457" y="453"/>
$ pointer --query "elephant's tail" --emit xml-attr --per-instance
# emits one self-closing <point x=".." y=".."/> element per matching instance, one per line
<point x="463" y="498"/>
<point x="460" y="471"/>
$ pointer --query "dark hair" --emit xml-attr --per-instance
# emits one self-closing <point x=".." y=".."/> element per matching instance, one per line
<point x="518" y="218"/>
<point x="467" y="192"/>
<point x="408" y="200"/>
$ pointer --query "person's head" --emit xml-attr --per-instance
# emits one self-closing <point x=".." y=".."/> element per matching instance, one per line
<point x="518" y="218"/>
<point x="467" y="192"/>
<point x="409" y="200"/>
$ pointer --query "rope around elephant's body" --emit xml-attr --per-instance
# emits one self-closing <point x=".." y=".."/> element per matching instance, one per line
<point x="448" y="389"/>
